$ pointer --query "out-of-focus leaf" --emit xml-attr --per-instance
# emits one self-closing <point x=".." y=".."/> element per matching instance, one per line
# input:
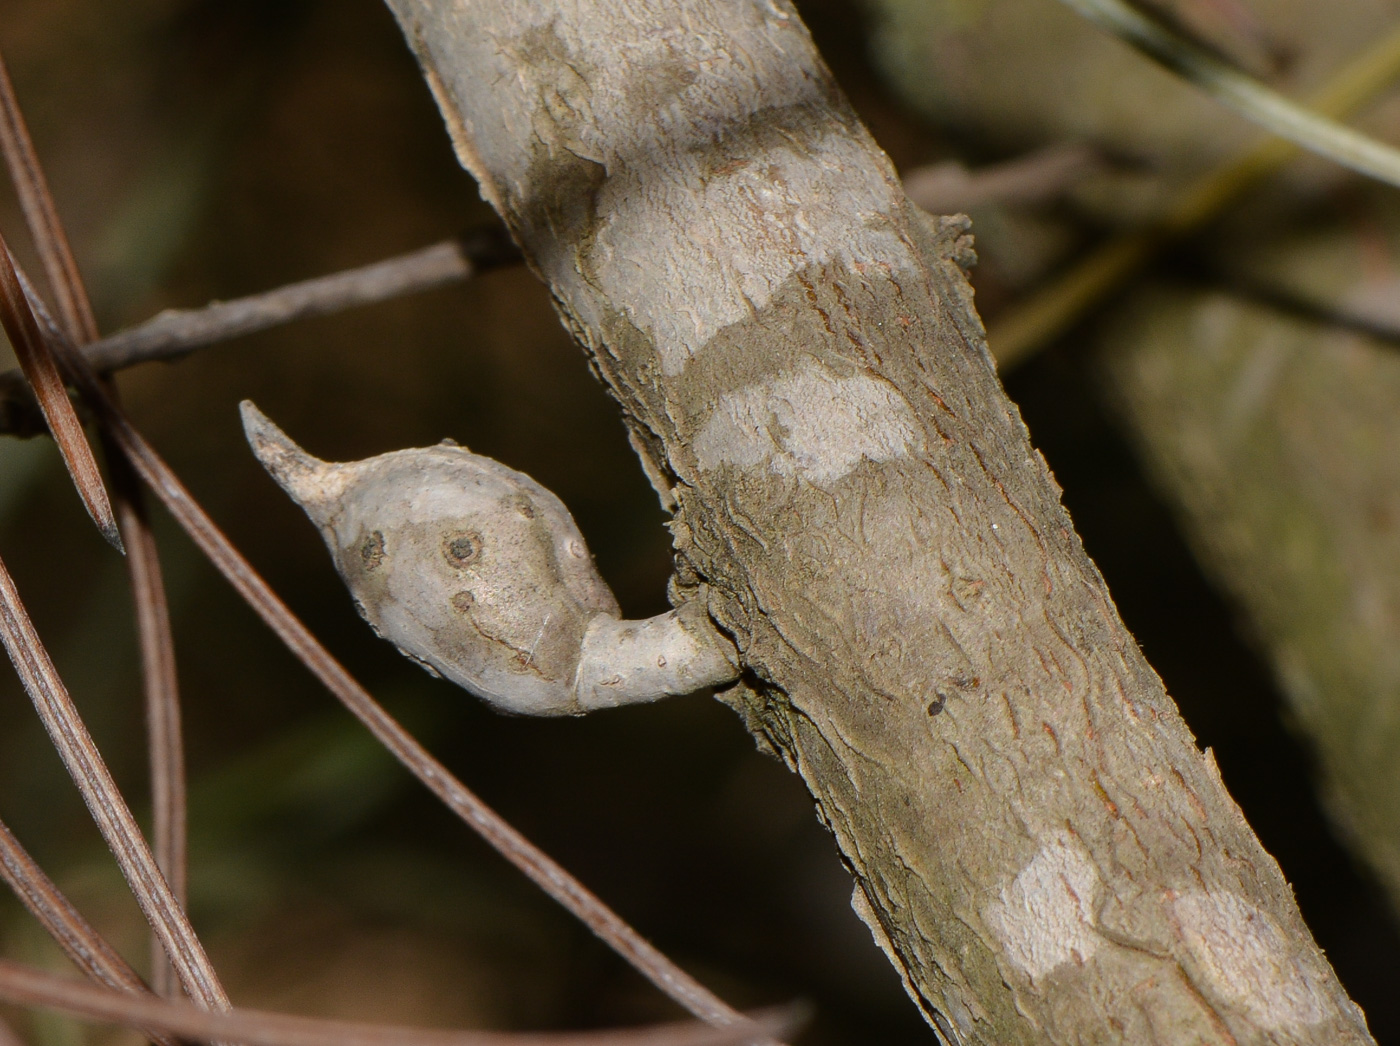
<point x="1276" y="439"/>
<point x="1016" y="74"/>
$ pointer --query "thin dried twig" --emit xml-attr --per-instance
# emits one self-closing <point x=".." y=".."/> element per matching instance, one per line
<point x="177" y="332"/>
<point x="539" y="867"/>
<point x="159" y="680"/>
<point x="1033" y="323"/>
<point x="118" y="827"/>
<point x="87" y="948"/>
<point x="1241" y="92"/>
<point x="948" y="188"/>
<point x="38" y="366"/>
<point x="31" y="987"/>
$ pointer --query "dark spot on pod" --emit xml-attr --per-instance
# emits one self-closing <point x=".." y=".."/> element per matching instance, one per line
<point x="936" y="705"/>
<point x="463" y="601"/>
<point x="462" y="549"/>
<point x="372" y="550"/>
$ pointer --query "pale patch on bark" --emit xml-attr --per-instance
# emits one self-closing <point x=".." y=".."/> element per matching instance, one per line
<point x="1246" y="957"/>
<point x="684" y="205"/>
<point x="810" y="423"/>
<point x="1045" y="917"/>
<point x="744" y="234"/>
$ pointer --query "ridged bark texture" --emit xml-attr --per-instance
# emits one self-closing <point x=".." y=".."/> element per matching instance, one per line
<point x="1037" y="842"/>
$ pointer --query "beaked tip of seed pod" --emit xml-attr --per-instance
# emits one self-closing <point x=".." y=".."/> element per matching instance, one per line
<point x="311" y="482"/>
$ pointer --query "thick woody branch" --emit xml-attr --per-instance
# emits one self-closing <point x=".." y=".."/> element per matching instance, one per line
<point x="1037" y="842"/>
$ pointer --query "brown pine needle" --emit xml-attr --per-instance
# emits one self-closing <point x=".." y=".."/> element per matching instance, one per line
<point x="74" y="308"/>
<point x="159" y="680"/>
<point x="31" y="987"/>
<point x="537" y="866"/>
<point x="87" y="948"/>
<point x="89" y="951"/>
<point x="114" y="819"/>
<point x="37" y="362"/>
<point x="162" y="697"/>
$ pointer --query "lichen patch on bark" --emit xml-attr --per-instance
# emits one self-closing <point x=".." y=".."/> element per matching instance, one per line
<point x="1045" y="917"/>
<point x="743" y="230"/>
<point x="810" y="422"/>
<point x="1244" y="955"/>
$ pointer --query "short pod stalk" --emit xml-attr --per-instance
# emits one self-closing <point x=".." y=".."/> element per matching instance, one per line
<point x="480" y="574"/>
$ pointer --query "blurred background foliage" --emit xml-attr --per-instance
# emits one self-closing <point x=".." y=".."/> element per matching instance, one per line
<point x="205" y="149"/>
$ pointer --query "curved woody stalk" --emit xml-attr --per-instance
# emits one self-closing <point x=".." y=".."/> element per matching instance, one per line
<point x="1037" y="842"/>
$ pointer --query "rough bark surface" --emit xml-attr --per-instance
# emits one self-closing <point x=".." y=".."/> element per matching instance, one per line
<point x="1038" y="844"/>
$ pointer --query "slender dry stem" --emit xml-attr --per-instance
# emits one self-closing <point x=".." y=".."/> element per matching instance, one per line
<point x="87" y="948"/>
<point x="1044" y="315"/>
<point x="160" y="683"/>
<point x="32" y="987"/>
<point x="174" y="333"/>
<point x="538" y="866"/>
<point x="114" y="819"/>
<point x="949" y="188"/>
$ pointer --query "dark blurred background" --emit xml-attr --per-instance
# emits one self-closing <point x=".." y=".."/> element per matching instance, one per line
<point x="206" y="149"/>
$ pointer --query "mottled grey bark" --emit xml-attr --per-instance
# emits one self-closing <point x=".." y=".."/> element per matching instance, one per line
<point x="1037" y="842"/>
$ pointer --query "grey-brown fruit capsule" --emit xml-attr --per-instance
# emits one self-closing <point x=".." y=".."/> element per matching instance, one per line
<point x="480" y="574"/>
